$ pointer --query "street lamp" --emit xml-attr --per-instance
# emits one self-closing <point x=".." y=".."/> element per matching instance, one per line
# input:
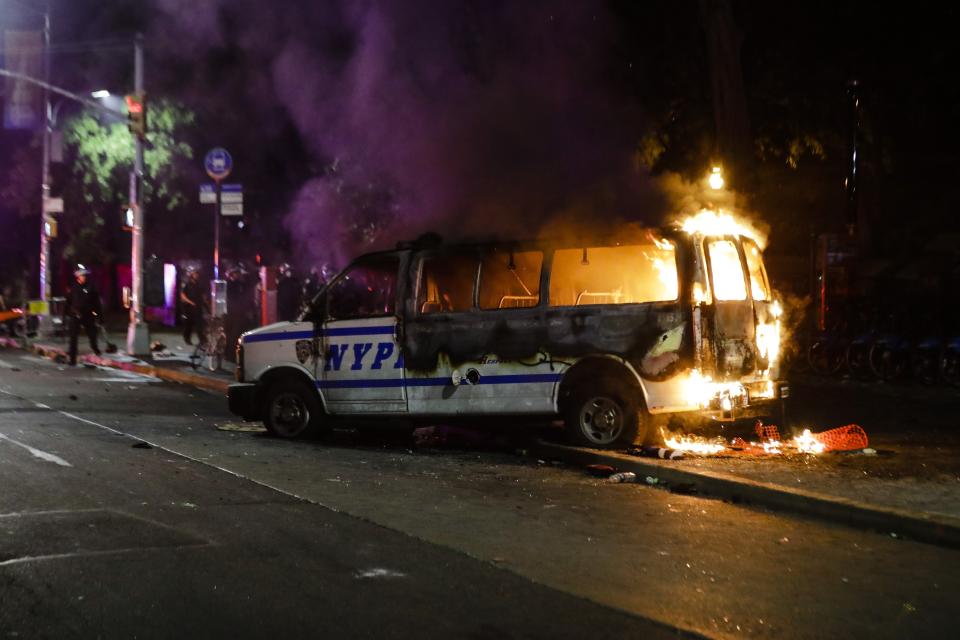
<point x="716" y="179"/>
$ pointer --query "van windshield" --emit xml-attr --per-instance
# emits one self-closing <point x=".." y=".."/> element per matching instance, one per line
<point x="614" y="275"/>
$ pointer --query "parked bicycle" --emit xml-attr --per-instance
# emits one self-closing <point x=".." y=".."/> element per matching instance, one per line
<point x="211" y="349"/>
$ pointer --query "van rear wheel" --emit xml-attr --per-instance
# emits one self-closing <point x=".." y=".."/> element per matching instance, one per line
<point x="604" y="413"/>
<point x="292" y="408"/>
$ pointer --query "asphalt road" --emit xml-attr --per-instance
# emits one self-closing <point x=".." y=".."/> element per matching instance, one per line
<point x="218" y="532"/>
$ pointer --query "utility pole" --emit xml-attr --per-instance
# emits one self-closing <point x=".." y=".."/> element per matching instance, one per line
<point x="45" y="289"/>
<point x="138" y="333"/>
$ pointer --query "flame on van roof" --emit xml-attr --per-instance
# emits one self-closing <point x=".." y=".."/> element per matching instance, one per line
<point x="720" y="222"/>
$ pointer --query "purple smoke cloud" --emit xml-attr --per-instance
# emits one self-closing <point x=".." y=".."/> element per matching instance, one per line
<point x="466" y="118"/>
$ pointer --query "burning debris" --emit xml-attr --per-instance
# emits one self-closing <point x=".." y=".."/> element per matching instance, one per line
<point x="847" y="438"/>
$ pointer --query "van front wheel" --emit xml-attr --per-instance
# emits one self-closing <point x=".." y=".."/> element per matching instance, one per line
<point x="604" y="413"/>
<point x="292" y="407"/>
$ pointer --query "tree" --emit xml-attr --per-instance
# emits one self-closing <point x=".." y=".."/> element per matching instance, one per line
<point x="102" y="157"/>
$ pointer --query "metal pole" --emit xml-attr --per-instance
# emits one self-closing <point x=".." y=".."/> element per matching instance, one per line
<point x="216" y="235"/>
<point x="138" y="337"/>
<point x="45" y="289"/>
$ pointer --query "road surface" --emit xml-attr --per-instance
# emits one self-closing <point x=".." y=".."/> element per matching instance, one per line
<point x="215" y="531"/>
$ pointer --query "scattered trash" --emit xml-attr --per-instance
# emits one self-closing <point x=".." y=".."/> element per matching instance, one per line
<point x="652" y="480"/>
<point x="142" y="445"/>
<point x="623" y="476"/>
<point x="188" y="505"/>
<point x="379" y="573"/>
<point x="850" y="439"/>
<point x="784" y="540"/>
<point x="73" y="397"/>
<point x="869" y="452"/>
<point x="600" y="470"/>
<point x="14" y="368"/>
<point x="156" y="345"/>
<point x="243" y="427"/>
<point x="656" y="452"/>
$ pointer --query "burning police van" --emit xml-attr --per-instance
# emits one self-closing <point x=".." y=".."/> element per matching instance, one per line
<point x="610" y="334"/>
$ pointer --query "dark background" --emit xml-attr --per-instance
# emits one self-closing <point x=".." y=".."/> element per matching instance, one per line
<point x="356" y="124"/>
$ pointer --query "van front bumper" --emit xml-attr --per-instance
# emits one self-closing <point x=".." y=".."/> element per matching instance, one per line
<point x="242" y="401"/>
<point x="758" y="399"/>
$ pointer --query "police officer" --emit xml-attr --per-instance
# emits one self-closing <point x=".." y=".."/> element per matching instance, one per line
<point x="82" y="310"/>
<point x="191" y="300"/>
<point x="288" y="294"/>
<point x="311" y="286"/>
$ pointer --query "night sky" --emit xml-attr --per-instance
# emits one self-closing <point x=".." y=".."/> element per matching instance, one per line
<point x="356" y="124"/>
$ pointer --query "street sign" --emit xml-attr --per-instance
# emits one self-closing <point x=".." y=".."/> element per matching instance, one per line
<point x="38" y="307"/>
<point x="231" y="209"/>
<point x="231" y="193"/>
<point x="53" y="205"/>
<point x="218" y="163"/>
<point x="208" y="194"/>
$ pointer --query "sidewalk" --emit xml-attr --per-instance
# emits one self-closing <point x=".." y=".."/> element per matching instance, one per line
<point x="172" y="363"/>
<point x="832" y="487"/>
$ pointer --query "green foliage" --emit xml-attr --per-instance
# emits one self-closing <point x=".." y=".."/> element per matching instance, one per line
<point x="101" y="155"/>
<point x="105" y="153"/>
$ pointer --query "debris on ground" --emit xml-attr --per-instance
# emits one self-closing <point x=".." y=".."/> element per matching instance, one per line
<point x="156" y="345"/>
<point x="623" y="476"/>
<point x="73" y="397"/>
<point x="445" y="435"/>
<point x="849" y="438"/>
<point x="142" y="445"/>
<point x="600" y="470"/>
<point x="244" y="427"/>
<point x="655" y="452"/>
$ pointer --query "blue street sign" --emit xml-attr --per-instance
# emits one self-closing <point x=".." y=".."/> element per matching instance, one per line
<point x="218" y="163"/>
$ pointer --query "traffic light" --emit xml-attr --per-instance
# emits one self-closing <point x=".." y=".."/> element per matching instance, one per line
<point x="137" y="114"/>
<point x="50" y="227"/>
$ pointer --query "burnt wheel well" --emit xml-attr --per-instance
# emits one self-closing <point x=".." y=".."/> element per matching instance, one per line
<point x="592" y="369"/>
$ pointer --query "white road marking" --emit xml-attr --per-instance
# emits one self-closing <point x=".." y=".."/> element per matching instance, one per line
<point x="379" y="572"/>
<point x="37" y="453"/>
<point x="4" y="363"/>
<point x="105" y="552"/>
<point x="202" y="461"/>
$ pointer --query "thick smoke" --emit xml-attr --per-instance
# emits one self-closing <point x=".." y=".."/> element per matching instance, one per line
<point x="464" y="117"/>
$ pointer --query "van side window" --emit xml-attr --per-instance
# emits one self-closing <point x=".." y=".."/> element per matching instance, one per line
<point x="759" y="285"/>
<point x="446" y="283"/>
<point x="726" y="271"/>
<point x="614" y="275"/>
<point x="510" y="279"/>
<point x="367" y="289"/>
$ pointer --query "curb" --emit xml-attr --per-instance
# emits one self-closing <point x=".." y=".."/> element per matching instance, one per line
<point x="933" y="529"/>
<point x="170" y="375"/>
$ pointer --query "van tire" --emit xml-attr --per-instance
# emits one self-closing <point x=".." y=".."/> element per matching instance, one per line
<point x="605" y="413"/>
<point x="291" y="409"/>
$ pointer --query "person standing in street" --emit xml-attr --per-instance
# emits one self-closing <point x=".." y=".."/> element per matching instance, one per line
<point x="191" y="300"/>
<point x="82" y="310"/>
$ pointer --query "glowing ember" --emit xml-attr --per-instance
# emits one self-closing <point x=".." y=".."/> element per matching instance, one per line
<point x="701" y="391"/>
<point x="690" y="444"/>
<point x="768" y="341"/>
<point x="806" y="442"/>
